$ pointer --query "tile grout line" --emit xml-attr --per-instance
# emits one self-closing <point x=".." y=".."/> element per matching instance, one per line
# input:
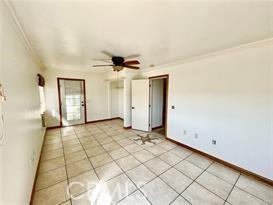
<point x="209" y="190"/>
<point x="193" y="181"/>
<point x="253" y="195"/>
<point x="131" y="181"/>
<point x="145" y="148"/>
<point x="211" y="174"/>
<point x="51" y="184"/>
<point x="206" y="170"/>
<point x="179" y="194"/>
<point x="156" y="175"/>
<point x="247" y="191"/>
<point x="81" y="143"/>
<point x="133" y="156"/>
<point x="51" y="158"/>
<point x="138" y="188"/>
<point x="88" y="159"/>
<point x="87" y="171"/>
<point x="67" y="189"/>
<point x="171" y="166"/>
<point x="53" y="168"/>
<point x="141" y="163"/>
<point x="232" y="188"/>
<point x="49" y="171"/>
<point x="222" y="178"/>
<point x="123" y="172"/>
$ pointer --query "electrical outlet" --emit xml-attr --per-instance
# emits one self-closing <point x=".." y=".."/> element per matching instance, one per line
<point x="196" y="136"/>
<point x="173" y="107"/>
<point x="213" y="142"/>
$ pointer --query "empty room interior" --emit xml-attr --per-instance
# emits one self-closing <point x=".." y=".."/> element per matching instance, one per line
<point x="133" y="102"/>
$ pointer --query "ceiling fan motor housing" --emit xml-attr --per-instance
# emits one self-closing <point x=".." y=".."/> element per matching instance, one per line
<point x="118" y="61"/>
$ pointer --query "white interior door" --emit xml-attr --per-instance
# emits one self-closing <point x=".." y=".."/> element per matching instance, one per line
<point x="140" y="105"/>
<point x="72" y="102"/>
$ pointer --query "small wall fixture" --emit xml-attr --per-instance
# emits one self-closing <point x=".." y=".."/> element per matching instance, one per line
<point x="2" y="95"/>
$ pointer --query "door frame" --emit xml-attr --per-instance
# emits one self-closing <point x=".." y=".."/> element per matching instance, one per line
<point x="166" y="97"/>
<point x="59" y="98"/>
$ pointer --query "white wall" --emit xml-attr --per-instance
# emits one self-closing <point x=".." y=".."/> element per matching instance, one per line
<point x="121" y="99"/>
<point x="114" y="100"/>
<point x="227" y="97"/>
<point x="157" y="102"/>
<point x="22" y="128"/>
<point x="1" y="122"/>
<point x="96" y="94"/>
<point x="121" y="103"/>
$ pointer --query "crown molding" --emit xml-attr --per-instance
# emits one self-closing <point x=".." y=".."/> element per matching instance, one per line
<point x="212" y="54"/>
<point x="22" y="32"/>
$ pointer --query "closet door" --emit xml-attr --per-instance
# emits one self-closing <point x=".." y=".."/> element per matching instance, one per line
<point x="140" y="104"/>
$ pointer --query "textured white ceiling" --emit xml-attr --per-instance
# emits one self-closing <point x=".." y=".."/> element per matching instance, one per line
<point x="69" y="34"/>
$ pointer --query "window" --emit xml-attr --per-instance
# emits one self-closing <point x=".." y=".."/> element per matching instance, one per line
<point x="41" y="83"/>
<point x="42" y="100"/>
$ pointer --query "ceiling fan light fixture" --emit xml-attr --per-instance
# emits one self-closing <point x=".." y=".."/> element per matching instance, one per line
<point x="117" y="68"/>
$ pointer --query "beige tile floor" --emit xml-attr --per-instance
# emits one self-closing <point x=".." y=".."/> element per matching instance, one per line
<point x="101" y="164"/>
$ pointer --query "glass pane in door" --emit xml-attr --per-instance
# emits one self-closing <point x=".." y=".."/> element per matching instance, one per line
<point x="73" y="105"/>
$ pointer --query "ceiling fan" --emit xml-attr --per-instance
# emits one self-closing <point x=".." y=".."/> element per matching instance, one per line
<point x="118" y="62"/>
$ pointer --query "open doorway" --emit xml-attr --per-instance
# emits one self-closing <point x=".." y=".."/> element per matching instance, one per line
<point x="116" y="99"/>
<point x="158" y="104"/>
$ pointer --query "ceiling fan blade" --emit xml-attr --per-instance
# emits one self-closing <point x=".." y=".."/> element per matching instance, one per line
<point x="104" y="60"/>
<point x="107" y="53"/>
<point x="131" y="67"/>
<point x="134" y="62"/>
<point x="132" y="56"/>
<point x="101" y="65"/>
